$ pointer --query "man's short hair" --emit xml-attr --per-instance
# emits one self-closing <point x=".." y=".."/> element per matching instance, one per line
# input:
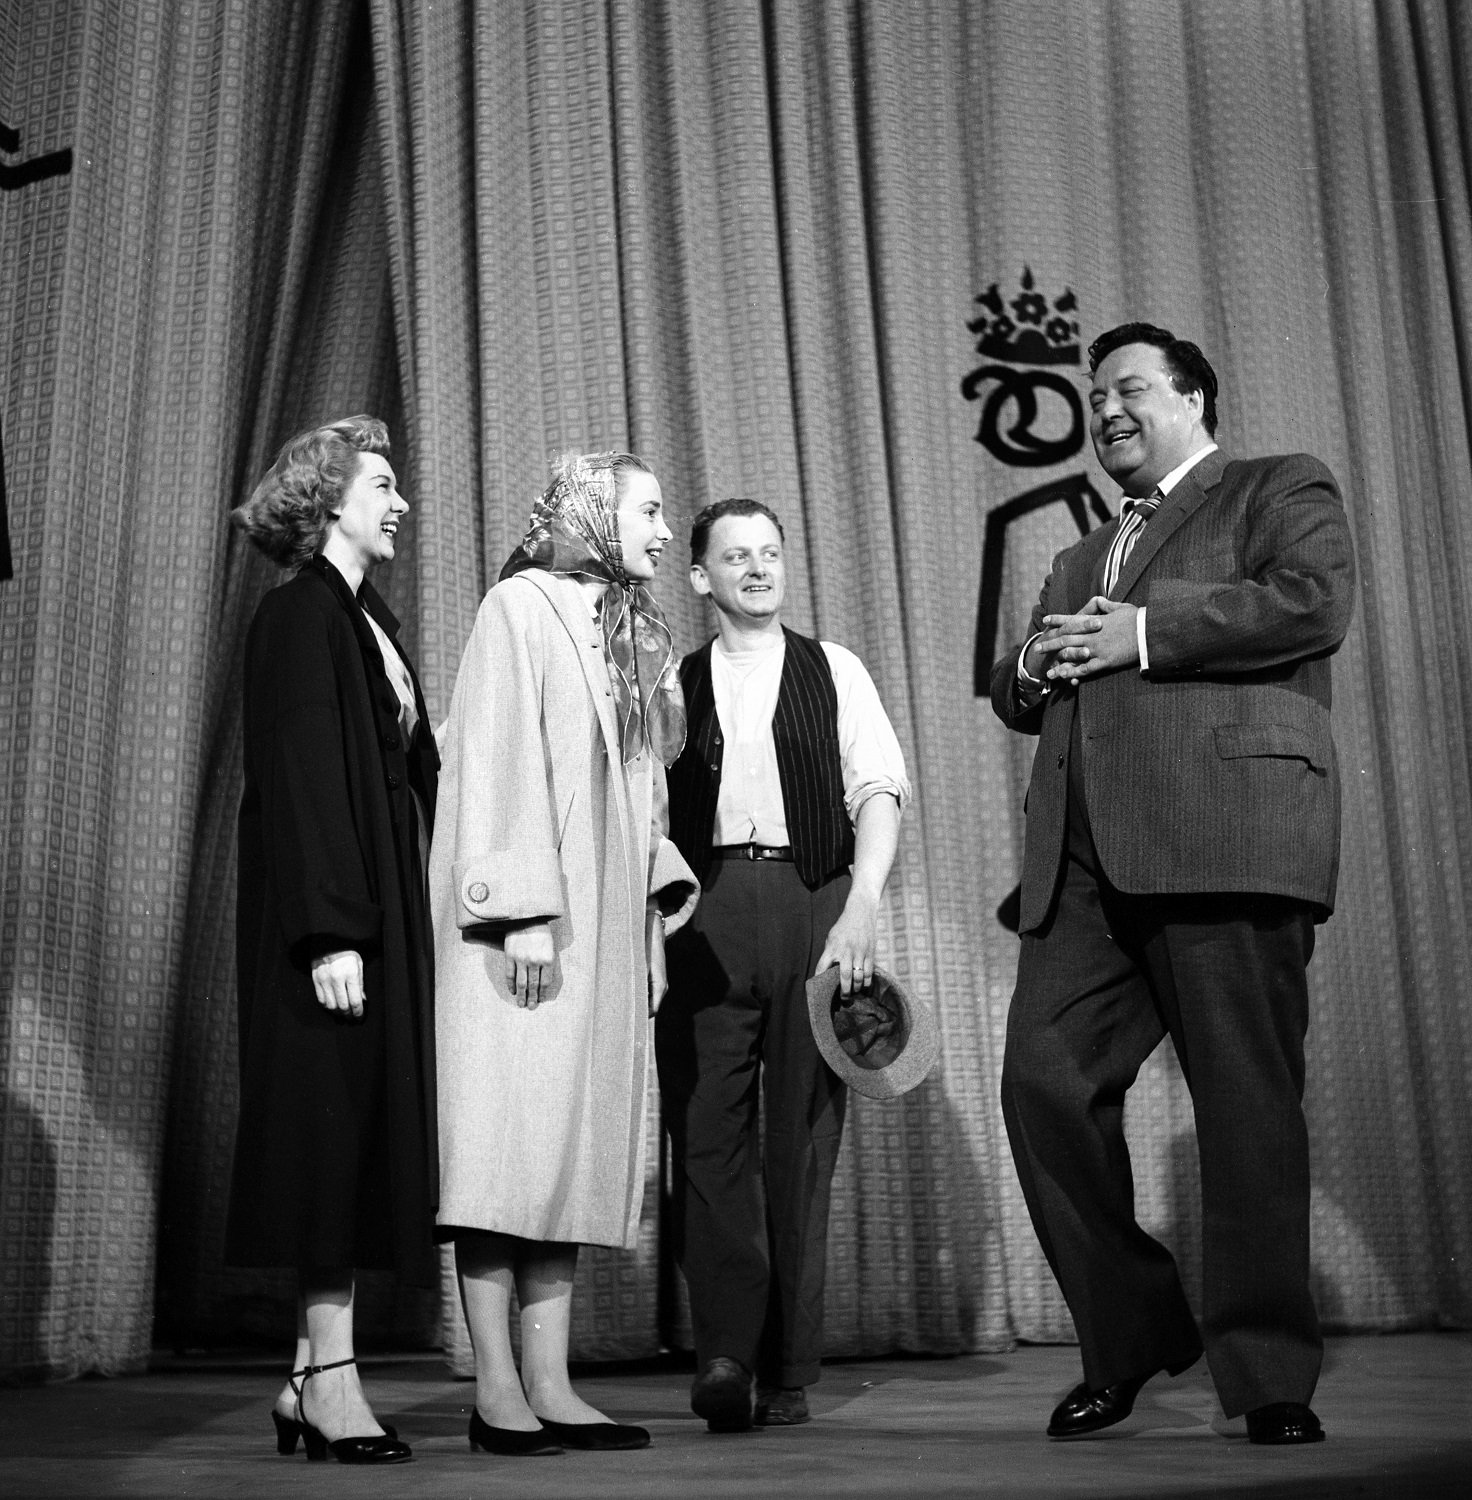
<point x="700" y="527"/>
<point x="1190" y="370"/>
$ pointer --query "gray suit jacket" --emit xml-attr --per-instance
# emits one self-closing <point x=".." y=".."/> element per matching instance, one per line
<point x="1214" y="771"/>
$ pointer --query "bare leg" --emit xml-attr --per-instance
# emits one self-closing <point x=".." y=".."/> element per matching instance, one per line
<point x="544" y="1274"/>
<point x="333" y="1402"/>
<point x="286" y="1401"/>
<point x="486" y="1266"/>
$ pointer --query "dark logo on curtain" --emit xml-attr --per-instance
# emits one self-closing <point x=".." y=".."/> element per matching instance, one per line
<point x="1020" y="338"/>
<point x="15" y="175"/>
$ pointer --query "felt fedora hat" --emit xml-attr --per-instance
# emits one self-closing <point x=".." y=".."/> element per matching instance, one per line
<point x="878" y="1040"/>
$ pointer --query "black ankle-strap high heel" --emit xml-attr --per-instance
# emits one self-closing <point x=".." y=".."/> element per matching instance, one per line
<point x="288" y="1429"/>
<point x="382" y="1448"/>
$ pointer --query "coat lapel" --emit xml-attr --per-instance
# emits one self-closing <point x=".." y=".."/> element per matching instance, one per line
<point x="1086" y="565"/>
<point x="571" y="604"/>
<point x="1179" y="506"/>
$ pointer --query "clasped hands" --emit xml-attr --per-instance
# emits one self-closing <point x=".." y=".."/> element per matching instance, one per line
<point x="1099" y="638"/>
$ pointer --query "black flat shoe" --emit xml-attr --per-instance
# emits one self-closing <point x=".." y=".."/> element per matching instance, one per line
<point x="381" y="1448"/>
<point x="1283" y="1422"/>
<point x="511" y="1442"/>
<point x="1083" y="1411"/>
<point x="597" y="1437"/>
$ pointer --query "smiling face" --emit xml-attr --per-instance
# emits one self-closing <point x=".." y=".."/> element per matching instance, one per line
<point x="743" y="573"/>
<point x="1141" y="425"/>
<point x="367" y="522"/>
<point x="642" y="532"/>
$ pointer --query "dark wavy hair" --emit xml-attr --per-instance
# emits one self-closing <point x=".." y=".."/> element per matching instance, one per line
<point x="289" y="511"/>
<point x="700" y="527"/>
<point x="1190" y="370"/>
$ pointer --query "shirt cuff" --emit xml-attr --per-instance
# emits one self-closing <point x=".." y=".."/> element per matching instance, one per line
<point x="1140" y="640"/>
<point x="1025" y="679"/>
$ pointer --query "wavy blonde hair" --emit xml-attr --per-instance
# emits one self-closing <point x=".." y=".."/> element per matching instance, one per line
<point x="289" y="511"/>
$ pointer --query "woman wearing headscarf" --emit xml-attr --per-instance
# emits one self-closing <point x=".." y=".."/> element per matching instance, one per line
<point x="335" y="1148"/>
<point x="552" y="887"/>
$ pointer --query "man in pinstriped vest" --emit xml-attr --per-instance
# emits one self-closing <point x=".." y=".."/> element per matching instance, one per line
<point x="791" y="775"/>
<point x="1182" y="841"/>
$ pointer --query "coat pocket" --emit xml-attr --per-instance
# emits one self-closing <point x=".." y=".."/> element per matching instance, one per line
<point x="1270" y="741"/>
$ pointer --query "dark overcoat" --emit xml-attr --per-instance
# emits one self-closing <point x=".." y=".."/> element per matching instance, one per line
<point x="335" y="1158"/>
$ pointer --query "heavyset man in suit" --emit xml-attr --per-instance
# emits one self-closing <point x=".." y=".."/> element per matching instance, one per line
<point x="791" y="774"/>
<point x="1182" y="841"/>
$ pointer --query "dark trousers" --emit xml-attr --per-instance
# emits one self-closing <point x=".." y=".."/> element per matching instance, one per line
<point x="1098" y="987"/>
<point x="755" y="1117"/>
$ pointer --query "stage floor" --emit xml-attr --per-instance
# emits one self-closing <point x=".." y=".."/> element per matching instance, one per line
<point x="1398" y="1411"/>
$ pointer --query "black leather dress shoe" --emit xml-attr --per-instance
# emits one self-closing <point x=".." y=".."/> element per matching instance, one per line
<point x="1083" y="1411"/>
<point x="597" y="1437"/>
<point x="722" y="1394"/>
<point x="1283" y="1422"/>
<point x="786" y="1406"/>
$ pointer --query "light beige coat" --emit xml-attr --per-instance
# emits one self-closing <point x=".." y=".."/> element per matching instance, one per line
<point x="542" y="1112"/>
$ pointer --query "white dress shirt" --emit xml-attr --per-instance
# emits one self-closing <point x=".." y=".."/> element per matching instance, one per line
<point x="399" y="679"/>
<point x="1166" y="485"/>
<point x="749" y="808"/>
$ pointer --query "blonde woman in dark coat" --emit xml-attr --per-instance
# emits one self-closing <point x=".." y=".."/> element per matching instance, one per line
<point x="335" y="1155"/>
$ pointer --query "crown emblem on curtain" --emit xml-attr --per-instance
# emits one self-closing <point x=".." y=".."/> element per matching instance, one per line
<point x="1027" y="329"/>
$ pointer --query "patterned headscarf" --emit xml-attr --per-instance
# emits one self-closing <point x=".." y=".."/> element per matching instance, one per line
<point x="573" y="531"/>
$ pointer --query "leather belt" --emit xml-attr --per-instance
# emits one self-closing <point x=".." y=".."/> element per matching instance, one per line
<point x="753" y="851"/>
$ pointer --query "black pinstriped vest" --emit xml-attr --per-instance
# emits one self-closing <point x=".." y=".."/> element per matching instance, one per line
<point x="809" y="766"/>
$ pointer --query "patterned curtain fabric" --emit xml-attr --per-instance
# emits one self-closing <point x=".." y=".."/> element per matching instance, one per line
<point x="746" y="240"/>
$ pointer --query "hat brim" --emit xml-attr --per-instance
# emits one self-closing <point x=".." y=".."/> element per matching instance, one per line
<point x="916" y="1058"/>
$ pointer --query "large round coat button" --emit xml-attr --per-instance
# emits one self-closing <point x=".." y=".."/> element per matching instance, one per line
<point x="479" y="892"/>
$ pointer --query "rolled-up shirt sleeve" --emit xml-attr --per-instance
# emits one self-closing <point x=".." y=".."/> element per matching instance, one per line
<point x="870" y="753"/>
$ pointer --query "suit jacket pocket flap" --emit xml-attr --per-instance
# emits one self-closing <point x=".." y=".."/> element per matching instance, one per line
<point x="1283" y="741"/>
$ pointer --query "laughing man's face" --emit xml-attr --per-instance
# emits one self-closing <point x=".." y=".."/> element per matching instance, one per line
<point x="1141" y="425"/>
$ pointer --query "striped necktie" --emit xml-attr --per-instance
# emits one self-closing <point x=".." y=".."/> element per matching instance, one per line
<point x="1131" y="524"/>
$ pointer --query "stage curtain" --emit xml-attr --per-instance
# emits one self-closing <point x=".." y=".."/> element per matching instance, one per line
<point x="209" y="277"/>
<point x="744" y="239"/>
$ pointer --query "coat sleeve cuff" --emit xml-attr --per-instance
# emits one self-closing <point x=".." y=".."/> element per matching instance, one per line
<point x="673" y="884"/>
<point x="508" y="886"/>
<point x="317" y="922"/>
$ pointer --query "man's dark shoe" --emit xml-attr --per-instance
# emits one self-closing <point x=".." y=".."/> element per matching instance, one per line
<point x="1283" y="1422"/>
<point x="786" y="1406"/>
<point x="1083" y="1411"/>
<point x="722" y="1393"/>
